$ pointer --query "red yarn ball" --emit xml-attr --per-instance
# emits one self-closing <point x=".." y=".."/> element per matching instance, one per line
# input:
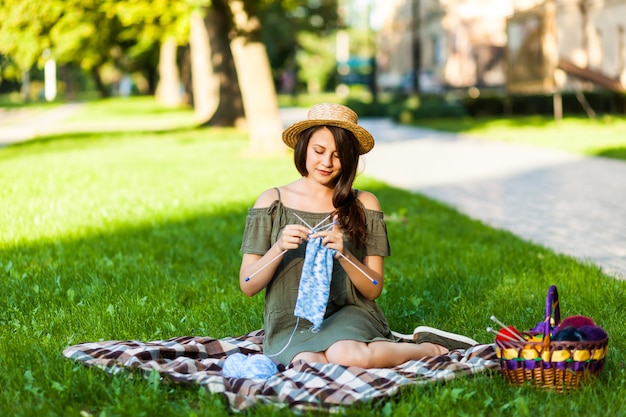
<point x="509" y="331"/>
<point x="576" y="321"/>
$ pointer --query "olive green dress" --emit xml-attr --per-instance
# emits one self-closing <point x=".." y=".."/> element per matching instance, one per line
<point x="349" y="315"/>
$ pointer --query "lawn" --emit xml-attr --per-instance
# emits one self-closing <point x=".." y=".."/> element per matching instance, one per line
<point x="603" y="136"/>
<point x="136" y="236"/>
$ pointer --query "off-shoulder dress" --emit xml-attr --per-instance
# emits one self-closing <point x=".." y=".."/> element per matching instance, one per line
<point x="349" y="315"/>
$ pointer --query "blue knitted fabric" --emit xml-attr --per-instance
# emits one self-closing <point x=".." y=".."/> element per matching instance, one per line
<point x="315" y="283"/>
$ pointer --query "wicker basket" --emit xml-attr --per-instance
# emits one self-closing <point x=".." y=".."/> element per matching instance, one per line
<point x="558" y="365"/>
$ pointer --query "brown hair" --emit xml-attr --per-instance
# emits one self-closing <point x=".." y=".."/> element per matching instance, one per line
<point x="347" y="208"/>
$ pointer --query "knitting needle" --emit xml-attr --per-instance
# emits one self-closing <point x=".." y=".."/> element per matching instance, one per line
<point x="265" y="266"/>
<point x="309" y="226"/>
<point x="340" y="254"/>
<point x="280" y="254"/>
<point x="506" y="336"/>
<point x="495" y="320"/>
<point x="357" y="267"/>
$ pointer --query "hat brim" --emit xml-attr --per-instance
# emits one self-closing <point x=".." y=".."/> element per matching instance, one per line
<point x="291" y="135"/>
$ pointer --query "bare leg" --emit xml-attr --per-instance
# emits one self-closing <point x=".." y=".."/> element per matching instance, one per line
<point x="379" y="354"/>
<point x="317" y="357"/>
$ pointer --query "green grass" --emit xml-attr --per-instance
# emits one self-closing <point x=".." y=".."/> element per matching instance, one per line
<point x="136" y="236"/>
<point x="132" y="111"/>
<point x="603" y="136"/>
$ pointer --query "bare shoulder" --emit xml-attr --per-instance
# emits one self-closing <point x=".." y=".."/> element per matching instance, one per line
<point x="368" y="200"/>
<point x="266" y="198"/>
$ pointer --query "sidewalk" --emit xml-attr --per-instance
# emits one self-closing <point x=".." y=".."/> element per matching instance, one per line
<point x="572" y="204"/>
<point x="20" y="125"/>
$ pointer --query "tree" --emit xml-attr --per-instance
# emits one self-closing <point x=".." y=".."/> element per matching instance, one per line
<point x="152" y="32"/>
<point x="255" y="79"/>
<point x="229" y="110"/>
<point x="205" y="83"/>
<point x="296" y="33"/>
<point x="168" y="91"/>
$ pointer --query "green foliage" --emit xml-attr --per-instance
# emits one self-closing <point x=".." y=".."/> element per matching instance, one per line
<point x="90" y="33"/>
<point x="136" y="235"/>
<point x="24" y="29"/>
<point x="417" y="108"/>
<point x="316" y="60"/>
<point x="297" y="35"/>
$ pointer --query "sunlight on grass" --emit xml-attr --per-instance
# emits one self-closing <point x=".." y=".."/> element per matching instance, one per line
<point x="577" y="135"/>
<point x="131" y="113"/>
<point x="116" y="182"/>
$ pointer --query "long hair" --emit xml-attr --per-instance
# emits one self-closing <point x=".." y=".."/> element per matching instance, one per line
<point x="350" y="213"/>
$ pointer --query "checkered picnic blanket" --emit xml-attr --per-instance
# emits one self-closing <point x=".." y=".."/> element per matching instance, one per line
<point x="301" y="385"/>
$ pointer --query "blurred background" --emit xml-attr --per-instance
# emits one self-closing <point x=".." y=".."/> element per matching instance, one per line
<point x="233" y="60"/>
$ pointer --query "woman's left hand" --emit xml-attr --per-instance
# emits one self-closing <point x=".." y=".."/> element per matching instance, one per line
<point x="332" y="239"/>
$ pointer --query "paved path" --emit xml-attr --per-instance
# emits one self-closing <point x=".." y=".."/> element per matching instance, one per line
<point x="23" y="124"/>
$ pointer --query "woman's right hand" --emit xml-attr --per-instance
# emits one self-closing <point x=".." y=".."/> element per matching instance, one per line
<point x="293" y="235"/>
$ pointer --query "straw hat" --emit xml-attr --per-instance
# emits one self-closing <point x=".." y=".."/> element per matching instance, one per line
<point x="330" y="114"/>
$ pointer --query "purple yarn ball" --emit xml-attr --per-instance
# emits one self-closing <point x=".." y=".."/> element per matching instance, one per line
<point x="593" y="333"/>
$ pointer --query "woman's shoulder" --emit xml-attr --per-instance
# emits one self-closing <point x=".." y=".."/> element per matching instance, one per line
<point x="267" y="197"/>
<point x="369" y="200"/>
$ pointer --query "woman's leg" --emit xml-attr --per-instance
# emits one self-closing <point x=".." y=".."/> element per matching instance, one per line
<point x="317" y="357"/>
<point x="379" y="354"/>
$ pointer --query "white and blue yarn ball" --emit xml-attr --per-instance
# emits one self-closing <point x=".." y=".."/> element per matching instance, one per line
<point x="257" y="366"/>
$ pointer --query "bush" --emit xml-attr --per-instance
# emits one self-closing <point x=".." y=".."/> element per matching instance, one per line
<point x="603" y="102"/>
<point x="426" y="106"/>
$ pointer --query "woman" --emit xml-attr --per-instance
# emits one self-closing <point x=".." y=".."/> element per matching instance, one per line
<point x="354" y="331"/>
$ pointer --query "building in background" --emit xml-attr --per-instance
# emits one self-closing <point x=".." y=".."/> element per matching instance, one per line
<point x="522" y="45"/>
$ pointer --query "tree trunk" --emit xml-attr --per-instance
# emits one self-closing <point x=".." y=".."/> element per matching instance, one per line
<point x="205" y="83"/>
<point x="104" y="91"/>
<point x="168" y="91"/>
<point x="229" y="110"/>
<point x="255" y="80"/>
<point x="184" y="60"/>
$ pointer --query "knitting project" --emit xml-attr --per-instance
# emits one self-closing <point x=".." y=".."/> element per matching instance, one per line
<point x="314" y="286"/>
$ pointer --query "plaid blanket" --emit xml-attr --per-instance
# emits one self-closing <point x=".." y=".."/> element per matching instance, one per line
<point x="301" y="385"/>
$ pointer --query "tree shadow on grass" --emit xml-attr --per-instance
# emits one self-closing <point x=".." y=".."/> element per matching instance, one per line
<point x="469" y="124"/>
<point x="613" y="153"/>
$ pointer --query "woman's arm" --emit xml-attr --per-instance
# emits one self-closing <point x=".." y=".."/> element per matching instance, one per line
<point x="256" y="271"/>
<point x="251" y="284"/>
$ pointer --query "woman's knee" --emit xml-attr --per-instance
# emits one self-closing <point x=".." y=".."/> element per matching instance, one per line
<point x="350" y="353"/>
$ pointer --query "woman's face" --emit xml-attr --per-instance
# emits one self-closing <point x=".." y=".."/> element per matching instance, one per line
<point x="322" y="159"/>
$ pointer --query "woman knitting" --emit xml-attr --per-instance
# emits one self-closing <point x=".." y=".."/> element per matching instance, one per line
<point x="317" y="247"/>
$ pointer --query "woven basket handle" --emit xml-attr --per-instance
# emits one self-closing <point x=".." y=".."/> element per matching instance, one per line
<point x="552" y="311"/>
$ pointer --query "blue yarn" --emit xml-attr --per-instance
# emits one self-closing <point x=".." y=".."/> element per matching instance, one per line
<point x="238" y="365"/>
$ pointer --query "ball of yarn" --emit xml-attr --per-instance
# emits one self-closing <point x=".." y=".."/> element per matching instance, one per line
<point x="576" y="321"/>
<point x="593" y="333"/>
<point x="569" y="334"/>
<point x="233" y="364"/>
<point x="508" y="333"/>
<point x="258" y="366"/>
<point x="238" y="365"/>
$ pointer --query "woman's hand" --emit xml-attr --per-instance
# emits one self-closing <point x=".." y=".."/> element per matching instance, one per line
<point x="293" y="235"/>
<point x="332" y="239"/>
